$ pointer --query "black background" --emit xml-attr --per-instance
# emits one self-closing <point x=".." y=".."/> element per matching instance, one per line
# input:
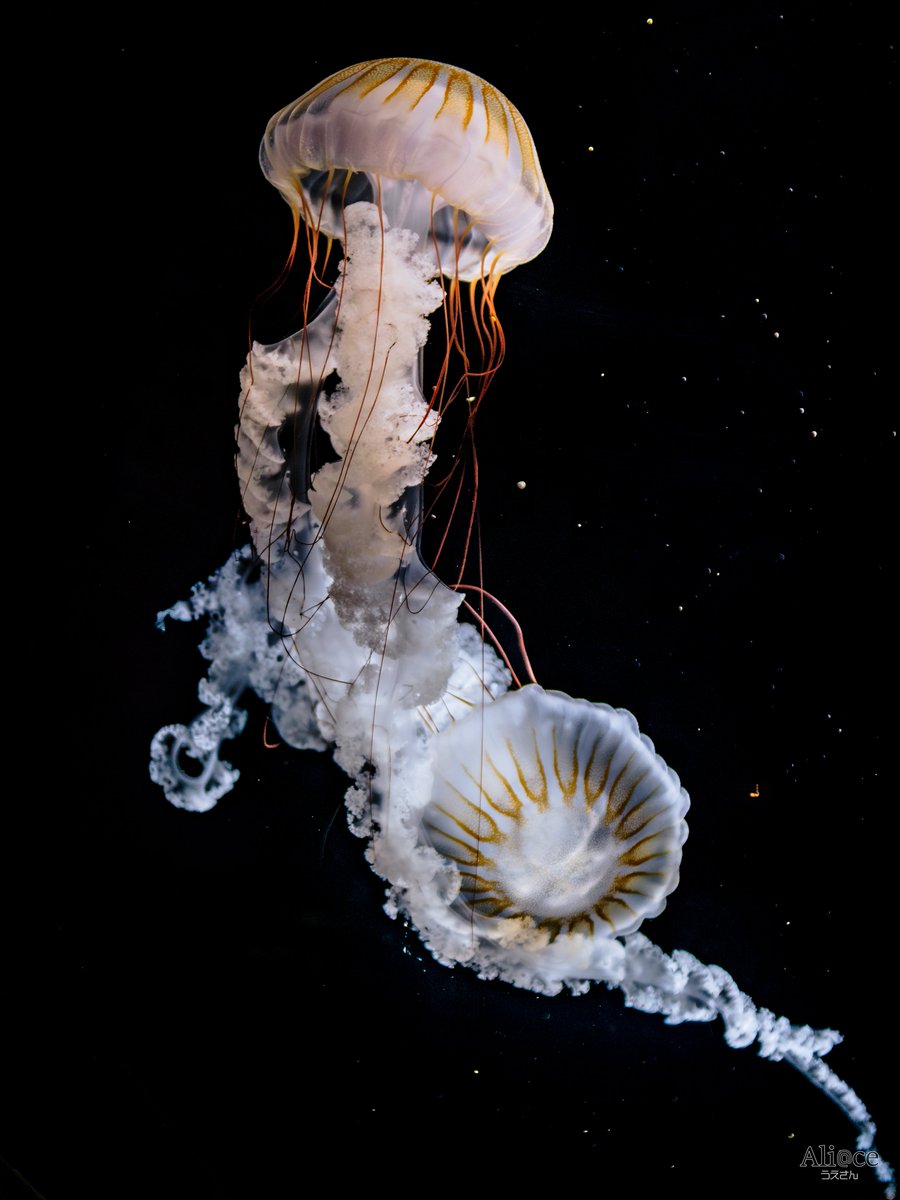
<point x="695" y="393"/>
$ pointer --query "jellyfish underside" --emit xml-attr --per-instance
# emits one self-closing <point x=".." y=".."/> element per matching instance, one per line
<point x="525" y="834"/>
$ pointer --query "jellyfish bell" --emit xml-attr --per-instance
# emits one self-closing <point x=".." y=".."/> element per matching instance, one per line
<point x="561" y="820"/>
<point x="445" y="154"/>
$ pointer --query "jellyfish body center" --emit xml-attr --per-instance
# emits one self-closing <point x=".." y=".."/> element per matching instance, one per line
<point x="557" y="863"/>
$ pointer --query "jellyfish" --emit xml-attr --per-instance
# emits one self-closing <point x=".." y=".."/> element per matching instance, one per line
<point x="524" y="833"/>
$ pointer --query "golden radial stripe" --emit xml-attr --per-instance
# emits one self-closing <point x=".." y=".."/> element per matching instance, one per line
<point x="567" y="788"/>
<point x="626" y="819"/>
<point x="591" y="795"/>
<point x="496" y="835"/>
<point x="552" y="926"/>
<point x="614" y="807"/>
<point x="474" y="857"/>
<point x="582" y="920"/>
<point x="425" y="78"/>
<point x="491" y="908"/>
<point x="378" y="71"/>
<point x="495" y="114"/>
<point x="510" y="790"/>
<point x="531" y="172"/>
<point x="459" y="99"/>
<point x="538" y="798"/>
<point x="601" y="906"/>
<point x="495" y="805"/>
<point x="622" y="834"/>
<point x="623" y="883"/>
<point x="480" y="883"/>
<point x="631" y="858"/>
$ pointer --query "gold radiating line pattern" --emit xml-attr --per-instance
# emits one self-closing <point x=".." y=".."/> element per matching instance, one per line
<point x="398" y="122"/>
<point x="578" y="829"/>
<point x="566" y="786"/>
<point x="415" y="78"/>
<point x="538" y="796"/>
<point x="514" y="803"/>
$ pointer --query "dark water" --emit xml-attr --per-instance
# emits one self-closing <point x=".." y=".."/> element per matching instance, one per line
<point x="696" y="394"/>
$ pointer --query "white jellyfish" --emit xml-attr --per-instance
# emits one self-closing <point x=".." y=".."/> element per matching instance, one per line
<point x="524" y="833"/>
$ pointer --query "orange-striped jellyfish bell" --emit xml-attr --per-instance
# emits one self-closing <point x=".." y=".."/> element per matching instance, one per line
<point x="438" y="149"/>
<point x="524" y="833"/>
<point x="566" y="830"/>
